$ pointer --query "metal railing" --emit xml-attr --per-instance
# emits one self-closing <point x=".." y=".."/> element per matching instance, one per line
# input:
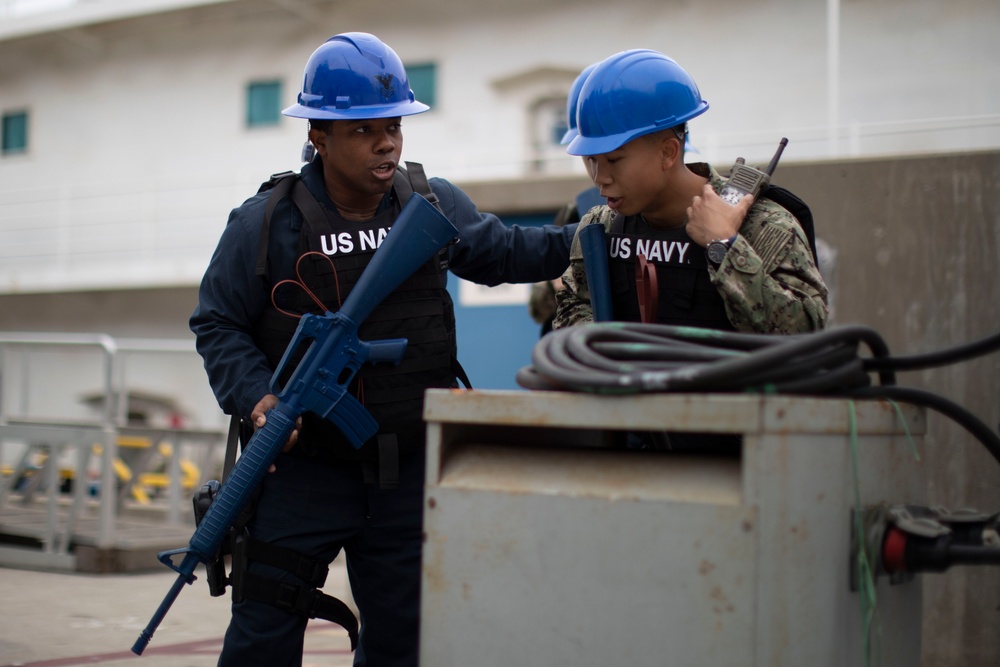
<point x="45" y="443"/>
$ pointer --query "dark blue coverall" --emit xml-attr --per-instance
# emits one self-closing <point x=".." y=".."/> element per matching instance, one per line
<point x="318" y="507"/>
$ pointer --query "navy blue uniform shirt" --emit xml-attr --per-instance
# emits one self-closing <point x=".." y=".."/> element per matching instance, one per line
<point x="232" y="297"/>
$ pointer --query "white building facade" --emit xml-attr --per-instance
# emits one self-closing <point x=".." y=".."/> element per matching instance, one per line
<point x="130" y="129"/>
<point x="132" y="117"/>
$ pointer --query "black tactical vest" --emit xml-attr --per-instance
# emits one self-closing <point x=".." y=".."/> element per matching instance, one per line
<point x="420" y="310"/>
<point x="686" y="295"/>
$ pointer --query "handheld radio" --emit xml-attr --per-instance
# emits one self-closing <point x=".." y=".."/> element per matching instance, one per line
<point x="746" y="180"/>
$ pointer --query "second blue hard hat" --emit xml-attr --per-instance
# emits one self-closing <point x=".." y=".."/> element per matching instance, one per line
<point x="571" y="102"/>
<point x="631" y="94"/>
<point x="354" y="76"/>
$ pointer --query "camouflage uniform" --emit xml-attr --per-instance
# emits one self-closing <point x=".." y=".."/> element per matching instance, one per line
<point x="542" y="302"/>
<point x="768" y="281"/>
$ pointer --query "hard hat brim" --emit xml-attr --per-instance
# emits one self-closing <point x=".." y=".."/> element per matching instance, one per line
<point x="360" y="113"/>
<point x="585" y="146"/>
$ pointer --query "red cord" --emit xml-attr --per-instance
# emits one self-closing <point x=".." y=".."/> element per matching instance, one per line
<point x="301" y="283"/>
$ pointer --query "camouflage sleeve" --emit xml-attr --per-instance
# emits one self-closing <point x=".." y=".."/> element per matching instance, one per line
<point x="542" y="302"/>
<point x="573" y="300"/>
<point x="769" y="280"/>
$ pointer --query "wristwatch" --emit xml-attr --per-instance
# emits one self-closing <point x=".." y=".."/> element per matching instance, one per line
<point x="716" y="250"/>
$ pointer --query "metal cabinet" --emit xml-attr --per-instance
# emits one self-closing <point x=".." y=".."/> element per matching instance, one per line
<point x="546" y="544"/>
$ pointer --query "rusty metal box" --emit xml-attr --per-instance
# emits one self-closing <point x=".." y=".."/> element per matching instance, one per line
<point x="546" y="545"/>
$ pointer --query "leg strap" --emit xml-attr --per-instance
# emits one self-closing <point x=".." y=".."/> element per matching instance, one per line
<point x="312" y="571"/>
<point x="300" y="599"/>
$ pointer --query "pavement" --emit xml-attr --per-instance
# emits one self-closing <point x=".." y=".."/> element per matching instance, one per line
<point x="52" y="619"/>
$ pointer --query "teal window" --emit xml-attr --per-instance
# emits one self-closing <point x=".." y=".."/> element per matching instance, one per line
<point x="15" y="132"/>
<point x="263" y="103"/>
<point x="423" y="82"/>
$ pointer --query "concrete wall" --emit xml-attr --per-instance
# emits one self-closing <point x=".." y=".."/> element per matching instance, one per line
<point x="916" y="242"/>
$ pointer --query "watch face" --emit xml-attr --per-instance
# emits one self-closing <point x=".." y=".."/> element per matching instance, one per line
<point x="716" y="251"/>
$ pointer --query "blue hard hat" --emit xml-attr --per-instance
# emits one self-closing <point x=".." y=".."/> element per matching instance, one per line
<point x="354" y="76"/>
<point x="630" y="94"/>
<point x="574" y="97"/>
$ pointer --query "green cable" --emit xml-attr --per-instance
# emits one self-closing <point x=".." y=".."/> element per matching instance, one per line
<point x="697" y="332"/>
<point x="902" y="420"/>
<point x="866" y="583"/>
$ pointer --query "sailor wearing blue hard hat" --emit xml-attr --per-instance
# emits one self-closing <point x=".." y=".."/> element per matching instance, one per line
<point x="632" y="117"/>
<point x="309" y="229"/>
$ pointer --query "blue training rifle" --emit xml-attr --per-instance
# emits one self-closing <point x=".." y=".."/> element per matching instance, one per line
<point x="318" y="384"/>
<point x="595" y="265"/>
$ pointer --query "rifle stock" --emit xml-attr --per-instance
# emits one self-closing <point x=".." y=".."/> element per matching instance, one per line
<point x="318" y="384"/>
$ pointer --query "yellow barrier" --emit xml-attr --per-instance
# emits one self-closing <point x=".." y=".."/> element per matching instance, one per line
<point x="190" y="473"/>
<point x="147" y="481"/>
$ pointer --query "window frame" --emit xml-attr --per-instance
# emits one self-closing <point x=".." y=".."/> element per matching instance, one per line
<point x="23" y="132"/>
<point x="252" y="117"/>
<point x="423" y="71"/>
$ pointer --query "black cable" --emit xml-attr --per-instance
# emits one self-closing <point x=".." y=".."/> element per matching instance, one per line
<point x="942" y="357"/>
<point x="961" y="554"/>
<point x="568" y="357"/>
<point x="626" y="357"/>
<point x="926" y="399"/>
<point x="841" y="378"/>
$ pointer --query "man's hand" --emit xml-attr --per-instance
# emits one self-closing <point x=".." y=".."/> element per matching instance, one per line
<point x="710" y="218"/>
<point x="259" y="418"/>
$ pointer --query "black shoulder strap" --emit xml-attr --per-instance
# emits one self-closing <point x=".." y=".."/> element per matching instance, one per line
<point x="312" y="212"/>
<point x="274" y="180"/>
<point x="796" y="207"/>
<point x="279" y="185"/>
<point x="401" y="184"/>
<point x="413" y="179"/>
<point x="419" y="183"/>
<point x="232" y="443"/>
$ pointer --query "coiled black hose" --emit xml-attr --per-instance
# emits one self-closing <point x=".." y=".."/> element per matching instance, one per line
<point x="626" y="357"/>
